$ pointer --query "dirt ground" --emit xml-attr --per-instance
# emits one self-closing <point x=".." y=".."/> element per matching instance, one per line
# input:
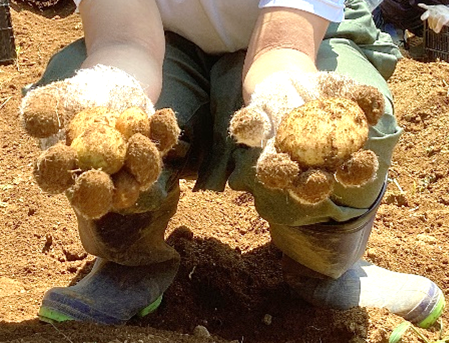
<point x="230" y="279"/>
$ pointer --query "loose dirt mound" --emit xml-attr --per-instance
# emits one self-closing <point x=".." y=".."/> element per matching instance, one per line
<point x="229" y="280"/>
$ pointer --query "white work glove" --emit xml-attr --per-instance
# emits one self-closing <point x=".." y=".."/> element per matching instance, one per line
<point x="309" y="137"/>
<point x="436" y="15"/>
<point x="100" y="86"/>
<point x="103" y="140"/>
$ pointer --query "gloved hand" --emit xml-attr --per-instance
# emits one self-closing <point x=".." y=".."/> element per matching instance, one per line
<point x="103" y="140"/>
<point x="312" y="129"/>
<point x="436" y="15"/>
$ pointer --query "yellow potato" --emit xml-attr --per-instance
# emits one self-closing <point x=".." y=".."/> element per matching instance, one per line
<point x="323" y="133"/>
<point x="100" y="147"/>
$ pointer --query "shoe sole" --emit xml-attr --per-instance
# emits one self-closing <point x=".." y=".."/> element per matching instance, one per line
<point x="435" y="314"/>
<point x="51" y="316"/>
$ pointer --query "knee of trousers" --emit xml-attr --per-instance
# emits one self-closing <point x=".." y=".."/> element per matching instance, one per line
<point x="326" y="249"/>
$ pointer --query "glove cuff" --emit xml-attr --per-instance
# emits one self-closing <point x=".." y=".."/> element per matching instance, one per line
<point x="106" y="86"/>
<point x="46" y="110"/>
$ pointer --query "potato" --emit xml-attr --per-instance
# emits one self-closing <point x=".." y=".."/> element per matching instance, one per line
<point x="100" y="147"/>
<point x="54" y="168"/>
<point x="126" y="190"/>
<point x="143" y="160"/>
<point x="82" y="120"/>
<point x="92" y="194"/>
<point x="131" y="121"/>
<point x="323" y="133"/>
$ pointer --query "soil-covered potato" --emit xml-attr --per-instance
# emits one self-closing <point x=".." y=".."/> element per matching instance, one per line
<point x="143" y="160"/>
<point x="323" y="133"/>
<point x="126" y="190"/>
<point x="82" y="120"/>
<point x="53" y="170"/>
<point x="100" y="147"/>
<point x="131" y="121"/>
<point x="92" y="194"/>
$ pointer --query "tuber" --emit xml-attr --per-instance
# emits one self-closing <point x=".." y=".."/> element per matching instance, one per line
<point x="82" y="120"/>
<point x="108" y="157"/>
<point x="126" y="190"/>
<point x="100" y="147"/>
<point x="131" y="121"/>
<point x="41" y="117"/>
<point x="46" y="110"/>
<point x="312" y="186"/>
<point x="317" y="144"/>
<point x="323" y="133"/>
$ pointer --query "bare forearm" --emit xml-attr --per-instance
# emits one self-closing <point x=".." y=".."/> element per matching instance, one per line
<point x="131" y="59"/>
<point x="137" y="47"/>
<point x="283" y="40"/>
<point x="292" y="61"/>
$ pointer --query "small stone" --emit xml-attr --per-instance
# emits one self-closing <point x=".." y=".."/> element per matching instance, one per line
<point x="372" y="253"/>
<point x="267" y="319"/>
<point x="201" y="331"/>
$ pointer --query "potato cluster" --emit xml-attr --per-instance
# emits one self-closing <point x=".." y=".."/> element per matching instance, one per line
<point x="320" y="143"/>
<point x="107" y="159"/>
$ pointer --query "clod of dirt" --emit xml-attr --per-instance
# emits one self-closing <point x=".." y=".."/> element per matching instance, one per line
<point x="143" y="160"/>
<point x="53" y="170"/>
<point x="100" y="147"/>
<point x="92" y="194"/>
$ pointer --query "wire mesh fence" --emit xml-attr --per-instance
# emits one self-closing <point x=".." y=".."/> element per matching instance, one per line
<point x="436" y="45"/>
<point x="7" y="44"/>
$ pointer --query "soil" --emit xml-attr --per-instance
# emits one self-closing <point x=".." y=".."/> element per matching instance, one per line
<point x="229" y="287"/>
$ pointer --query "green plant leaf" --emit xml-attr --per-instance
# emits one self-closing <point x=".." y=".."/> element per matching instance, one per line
<point x="396" y="335"/>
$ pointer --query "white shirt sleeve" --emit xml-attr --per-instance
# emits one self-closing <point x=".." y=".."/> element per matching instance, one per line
<point x="77" y="3"/>
<point x="332" y="10"/>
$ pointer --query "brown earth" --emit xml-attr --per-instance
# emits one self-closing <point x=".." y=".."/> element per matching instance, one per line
<point x="230" y="280"/>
